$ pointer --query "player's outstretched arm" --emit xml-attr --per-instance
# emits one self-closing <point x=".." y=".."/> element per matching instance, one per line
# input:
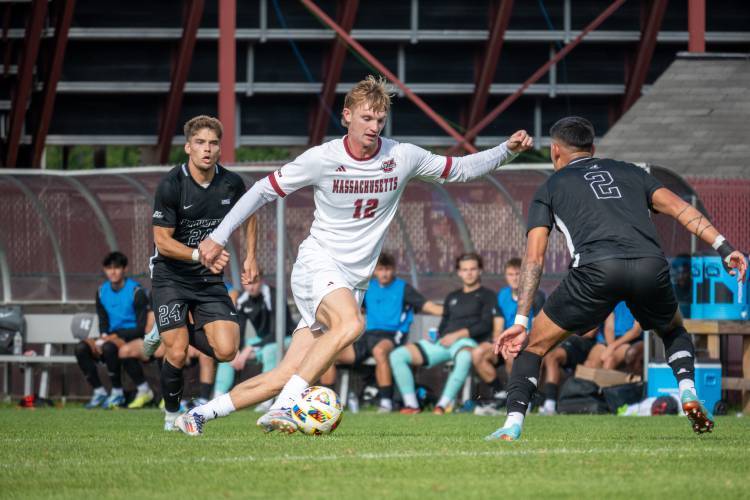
<point x="666" y="202"/>
<point x="511" y="341"/>
<point x="466" y="168"/>
<point x="250" y="266"/>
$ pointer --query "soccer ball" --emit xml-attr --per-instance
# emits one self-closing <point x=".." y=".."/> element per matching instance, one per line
<point x="317" y="411"/>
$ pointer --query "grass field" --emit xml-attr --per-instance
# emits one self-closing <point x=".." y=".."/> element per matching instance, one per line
<point x="74" y="453"/>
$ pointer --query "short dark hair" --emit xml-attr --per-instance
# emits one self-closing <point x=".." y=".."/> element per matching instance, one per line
<point x="514" y="262"/>
<point x="469" y="256"/>
<point x="574" y="131"/>
<point x="115" y="259"/>
<point x="386" y="260"/>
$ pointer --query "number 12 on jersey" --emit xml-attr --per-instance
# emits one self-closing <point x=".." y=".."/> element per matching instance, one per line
<point x="365" y="209"/>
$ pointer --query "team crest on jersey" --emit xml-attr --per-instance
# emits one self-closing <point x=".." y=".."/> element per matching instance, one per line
<point x="226" y="202"/>
<point x="388" y="165"/>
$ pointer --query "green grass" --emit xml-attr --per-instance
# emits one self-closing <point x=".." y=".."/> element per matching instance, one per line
<point x="74" y="453"/>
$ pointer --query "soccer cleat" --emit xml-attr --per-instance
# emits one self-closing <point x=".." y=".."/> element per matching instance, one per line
<point x="113" y="401"/>
<point x="97" y="400"/>
<point x="151" y="342"/>
<point x="511" y="433"/>
<point x="191" y="423"/>
<point x="438" y="410"/>
<point x="385" y="409"/>
<point x="169" y="421"/>
<point x="407" y="410"/>
<point x="141" y="400"/>
<point x="699" y="417"/>
<point x="278" y="420"/>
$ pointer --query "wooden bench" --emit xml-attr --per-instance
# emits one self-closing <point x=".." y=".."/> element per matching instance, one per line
<point x="710" y="330"/>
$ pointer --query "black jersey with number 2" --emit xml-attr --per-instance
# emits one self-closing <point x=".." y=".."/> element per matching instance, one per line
<point x="603" y="207"/>
<point x="194" y="212"/>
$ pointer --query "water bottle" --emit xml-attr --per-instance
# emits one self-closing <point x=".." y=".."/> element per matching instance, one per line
<point x="17" y="344"/>
<point x="432" y="334"/>
<point x="353" y="402"/>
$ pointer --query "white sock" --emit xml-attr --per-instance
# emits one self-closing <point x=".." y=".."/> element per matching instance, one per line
<point x="99" y="391"/>
<point x="217" y="407"/>
<point x="550" y="405"/>
<point x="386" y="403"/>
<point x="514" y="418"/>
<point x="687" y="384"/>
<point x="444" y="402"/>
<point x="410" y="400"/>
<point x="143" y="388"/>
<point x="290" y="392"/>
<point x="171" y="416"/>
<point x="117" y="391"/>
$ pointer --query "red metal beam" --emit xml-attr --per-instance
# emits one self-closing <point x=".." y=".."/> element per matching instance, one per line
<point x="192" y="20"/>
<point x="335" y="62"/>
<point x="227" y="74"/>
<point x="474" y="131"/>
<point x="489" y="63"/>
<point x="32" y="40"/>
<point x="697" y="25"/>
<point x="60" y="42"/>
<point x="646" y="48"/>
<point x="388" y="74"/>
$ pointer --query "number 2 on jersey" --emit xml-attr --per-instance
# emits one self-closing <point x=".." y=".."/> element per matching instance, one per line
<point x="369" y="208"/>
<point x="602" y="184"/>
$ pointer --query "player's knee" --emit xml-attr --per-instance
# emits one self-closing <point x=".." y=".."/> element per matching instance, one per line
<point x="380" y="353"/>
<point x="225" y="353"/>
<point x="109" y="350"/>
<point x="351" y="329"/>
<point x="83" y="350"/>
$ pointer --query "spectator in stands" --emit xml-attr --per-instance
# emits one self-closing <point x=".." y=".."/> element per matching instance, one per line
<point x="122" y="308"/>
<point x="257" y="304"/>
<point x="483" y="358"/>
<point x="570" y="353"/>
<point x="467" y="320"/>
<point x="389" y="304"/>
<point x="619" y="333"/>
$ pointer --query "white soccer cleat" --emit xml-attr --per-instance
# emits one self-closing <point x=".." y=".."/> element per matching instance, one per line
<point x="278" y="420"/>
<point x="169" y="421"/>
<point x="191" y="423"/>
<point x="151" y="342"/>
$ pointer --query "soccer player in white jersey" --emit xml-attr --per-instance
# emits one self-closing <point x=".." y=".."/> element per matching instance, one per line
<point x="358" y="181"/>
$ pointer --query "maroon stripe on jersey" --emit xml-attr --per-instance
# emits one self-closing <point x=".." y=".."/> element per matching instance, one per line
<point x="275" y="184"/>
<point x="447" y="169"/>
<point x="349" y="151"/>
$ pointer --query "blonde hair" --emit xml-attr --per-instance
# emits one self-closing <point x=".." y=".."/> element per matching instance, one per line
<point x="196" y="123"/>
<point x="373" y="91"/>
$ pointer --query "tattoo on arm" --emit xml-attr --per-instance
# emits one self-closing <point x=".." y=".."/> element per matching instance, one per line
<point x="531" y="275"/>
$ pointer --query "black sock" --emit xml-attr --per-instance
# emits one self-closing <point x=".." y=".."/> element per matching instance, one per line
<point x="112" y="360"/>
<point x="496" y="386"/>
<point x="134" y="370"/>
<point x="385" y="392"/>
<point x="171" y="386"/>
<point x="523" y="381"/>
<point x="550" y="391"/>
<point x="87" y="364"/>
<point x="205" y="390"/>
<point x="198" y="339"/>
<point x="680" y="353"/>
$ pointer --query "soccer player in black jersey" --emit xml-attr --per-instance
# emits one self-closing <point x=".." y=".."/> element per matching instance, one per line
<point x="191" y="200"/>
<point x="603" y="208"/>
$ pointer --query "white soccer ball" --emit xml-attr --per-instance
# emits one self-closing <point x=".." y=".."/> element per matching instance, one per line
<point x="317" y="411"/>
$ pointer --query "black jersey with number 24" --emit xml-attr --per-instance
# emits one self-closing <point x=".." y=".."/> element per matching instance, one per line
<point x="194" y="212"/>
<point x="603" y="207"/>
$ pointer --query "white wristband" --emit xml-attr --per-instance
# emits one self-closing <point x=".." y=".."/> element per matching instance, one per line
<point x="717" y="242"/>
<point x="196" y="255"/>
<point x="522" y="320"/>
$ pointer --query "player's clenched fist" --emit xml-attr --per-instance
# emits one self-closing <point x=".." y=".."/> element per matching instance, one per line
<point x="209" y="251"/>
<point x="520" y="141"/>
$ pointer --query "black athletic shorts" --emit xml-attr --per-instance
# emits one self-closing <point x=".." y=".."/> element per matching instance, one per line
<point x="577" y="349"/>
<point x="587" y="295"/>
<point x="364" y="345"/>
<point x="206" y="301"/>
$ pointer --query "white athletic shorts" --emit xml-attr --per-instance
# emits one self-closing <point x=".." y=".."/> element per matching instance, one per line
<point x="314" y="276"/>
